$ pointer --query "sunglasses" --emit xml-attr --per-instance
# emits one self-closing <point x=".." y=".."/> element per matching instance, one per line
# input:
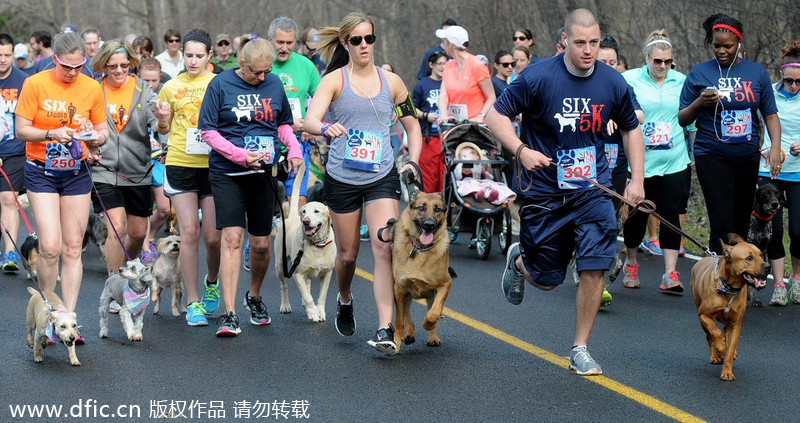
<point x="608" y="38"/>
<point x="520" y="38"/>
<point x="790" y="81"/>
<point x="356" y="40"/>
<point x="70" y="67"/>
<point x="507" y="64"/>
<point x="174" y="40"/>
<point x="659" y="62"/>
<point x="259" y="73"/>
<point x="123" y="66"/>
<point x="223" y="44"/>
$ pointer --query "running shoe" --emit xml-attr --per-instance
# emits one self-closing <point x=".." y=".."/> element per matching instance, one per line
<point x="794" y="290"/>
<point x="229" y="325"/>
<point x="258" y="311"/>
<point x="11" y="262"/>
<point x="247" y="255"/>
<point x="631" y="275"/>
<point x="513" y="282"/>
<point x="384" y="341"/>
<point x="779" y="295"/>
<point x="364" y="233"/>
<point x="671" y="282"/>
<point x="345" y="321"/>
<point x="453" y="236"/>
<point x="606" y="301"/>
<point x="652" y="246"/>
<point x="195" y="314"/>
<point x="582" y="362"/>
<point x="211" y="295"/>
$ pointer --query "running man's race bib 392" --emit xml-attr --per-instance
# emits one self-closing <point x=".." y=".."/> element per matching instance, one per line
<point x="575" y="163"/>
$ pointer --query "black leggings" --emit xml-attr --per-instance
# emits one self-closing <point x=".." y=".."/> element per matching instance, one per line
<point x="669" y="193"/>
<point x="775" y="248"/>
<point x="729" y="190"/>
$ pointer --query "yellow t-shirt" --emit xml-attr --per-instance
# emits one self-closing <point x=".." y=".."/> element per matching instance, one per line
<point x="51" y="104"/>
<point x="184" y="95"/>
<point x="118" y="102"/>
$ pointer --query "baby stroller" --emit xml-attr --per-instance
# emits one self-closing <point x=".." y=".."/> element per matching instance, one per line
<point x="466" y="212"/>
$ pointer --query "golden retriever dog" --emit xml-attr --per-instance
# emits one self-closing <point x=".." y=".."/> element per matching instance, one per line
<point x="309" y="235"/>
<point x="420" y="259"/>
<point x="53" y="322"/>
<point x="718" y="289"/>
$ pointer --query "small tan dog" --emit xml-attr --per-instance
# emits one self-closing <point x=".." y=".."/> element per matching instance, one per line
<point x="167" y="273"/>
<point x="308" y="231"/>
<point x="53" y="322"/>
<point x="718" y="287"/>
<point x="420" y="262"/>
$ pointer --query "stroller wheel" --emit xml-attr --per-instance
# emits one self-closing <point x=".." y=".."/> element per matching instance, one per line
<point x="484" y="237"/>
<point x="504" y="237"/>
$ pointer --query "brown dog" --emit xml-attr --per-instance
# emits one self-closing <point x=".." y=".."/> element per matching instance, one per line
<point x="420" y="260"/>
<point x="717" y="285"/>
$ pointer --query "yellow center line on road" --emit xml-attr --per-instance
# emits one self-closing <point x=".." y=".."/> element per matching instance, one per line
<point x="648" y="401"/>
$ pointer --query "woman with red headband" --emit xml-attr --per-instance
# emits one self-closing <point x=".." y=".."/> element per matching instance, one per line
<point x="724" y="97"/>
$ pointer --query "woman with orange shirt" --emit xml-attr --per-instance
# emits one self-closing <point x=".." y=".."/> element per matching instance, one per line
<point x="62" y="117"/>
<point x="122" y="177"/>
<point x="467" y="92"/>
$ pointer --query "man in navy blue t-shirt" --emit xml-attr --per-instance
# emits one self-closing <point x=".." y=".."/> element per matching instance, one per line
<point x="566" y="102"/>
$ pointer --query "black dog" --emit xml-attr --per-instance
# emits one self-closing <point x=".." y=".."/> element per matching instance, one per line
<point x="769" y="198"/>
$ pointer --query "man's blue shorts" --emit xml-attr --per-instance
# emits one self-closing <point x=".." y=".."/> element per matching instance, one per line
<point x="551" y="228"/>
<point x="306" y="147"/>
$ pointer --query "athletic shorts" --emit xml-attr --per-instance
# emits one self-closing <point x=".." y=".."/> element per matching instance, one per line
<point x="244" y="201"/>
<point x="550" y="227"/>
<point x="346" y="198"/>
<point x="14" y="167"/>
<point x="158" y="174"/>
<point x="180" y="180"/>
<point x="306" y="147"/>
<point x="137" y="200"/>
<point x="65" y="183"/>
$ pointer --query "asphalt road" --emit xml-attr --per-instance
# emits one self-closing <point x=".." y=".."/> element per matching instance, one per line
<point x="498" y="362"/>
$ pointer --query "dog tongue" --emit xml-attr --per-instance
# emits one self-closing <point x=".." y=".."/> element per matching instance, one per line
<point x="310" y="231"/>
<point x="426" y="238"/>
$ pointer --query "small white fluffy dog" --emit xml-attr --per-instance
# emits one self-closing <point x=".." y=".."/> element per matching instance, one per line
<point x="308" y="230"/>
<point x="167" y="273"/>
<point x="56" y="324"/>
<point x="131" y="289"/>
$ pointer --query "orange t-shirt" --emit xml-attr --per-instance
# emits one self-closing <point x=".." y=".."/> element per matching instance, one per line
<point x="51" y="104"/>
<point x="463" y="89"/>
<point x="118" y="101"/>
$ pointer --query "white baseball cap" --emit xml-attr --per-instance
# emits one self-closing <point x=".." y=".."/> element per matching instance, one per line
<point x="455" y="34"/>
<point x="20" y="51"/>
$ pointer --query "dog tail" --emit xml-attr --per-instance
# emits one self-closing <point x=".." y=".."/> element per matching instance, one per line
<point x="294" y="205"/>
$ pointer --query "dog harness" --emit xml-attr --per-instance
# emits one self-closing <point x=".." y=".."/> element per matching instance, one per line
<point x="723" y="287"/>
<point x="136" y="302"/>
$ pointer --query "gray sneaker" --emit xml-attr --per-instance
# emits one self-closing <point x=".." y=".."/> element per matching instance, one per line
<point x="513" y="282"/>
<point x="779" y="296"/>
<point x="582" y="363"/>
<point x="794" y="290"/>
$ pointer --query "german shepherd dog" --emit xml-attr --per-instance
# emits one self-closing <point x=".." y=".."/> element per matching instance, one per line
<point x="420" y="261"/>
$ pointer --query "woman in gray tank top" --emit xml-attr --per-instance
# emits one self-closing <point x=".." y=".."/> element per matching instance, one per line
<point x="360" y="101"/>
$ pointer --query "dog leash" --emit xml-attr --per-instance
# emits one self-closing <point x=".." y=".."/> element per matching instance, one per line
<point x="645" y="206"/>
<point x="31" y="232"/>
<point x="105" y="212"/>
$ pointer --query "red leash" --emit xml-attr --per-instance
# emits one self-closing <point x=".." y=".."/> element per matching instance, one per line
<point x="21" y="211"/>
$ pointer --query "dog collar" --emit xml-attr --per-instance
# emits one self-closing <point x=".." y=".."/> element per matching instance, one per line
<point x="417" y="248"/>
<point x="723" y="287"/>
<point x="136" y="302"/>
<point x="320" y="244"/>
<point x="760" y="217"/>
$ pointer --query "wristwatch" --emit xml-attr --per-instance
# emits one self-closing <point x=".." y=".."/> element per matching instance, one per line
<point x="47" y="136"/>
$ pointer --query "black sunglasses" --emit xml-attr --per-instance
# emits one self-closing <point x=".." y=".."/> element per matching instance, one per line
<point x="223" y="43"/>
<point x="667" y="62"/>
<point x="520" y="38"/>
<point x="790" y="81"/>
<point x="174" y="40"/>
<point x="507" y="64"/>
<point x="356" y="40"/>
<point x="259" y="73"/>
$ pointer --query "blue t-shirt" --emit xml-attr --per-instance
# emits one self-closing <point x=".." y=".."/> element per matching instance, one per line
<point x="564" y="117"/>
<point x="426" y="98"/>
<point x="10" y="88"/>
<point x="246" y="115"/>
<point x="499" y="86"/>
<point x="730" y="130"/>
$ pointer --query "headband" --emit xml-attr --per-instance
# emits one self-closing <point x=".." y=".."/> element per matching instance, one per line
<point x="729" y="28"/>
<point x="121" y="50"/>
<point x="198" y="38"/>
<point x="791" y="65"/>
<point x="657" y="42"/>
